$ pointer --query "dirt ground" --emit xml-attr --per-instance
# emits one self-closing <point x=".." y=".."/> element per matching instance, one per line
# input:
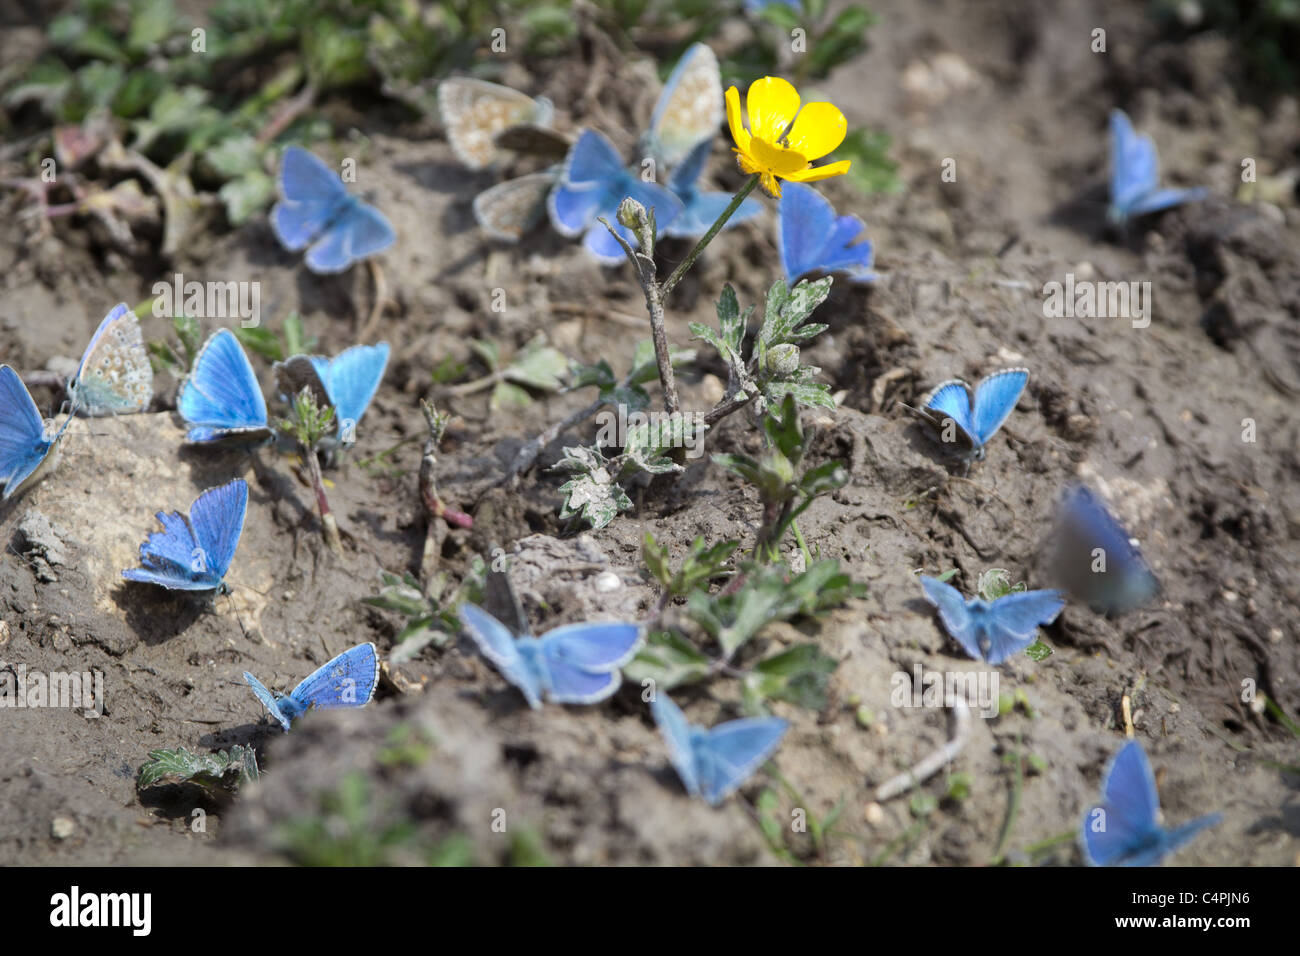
<point x="1151" y="417"/>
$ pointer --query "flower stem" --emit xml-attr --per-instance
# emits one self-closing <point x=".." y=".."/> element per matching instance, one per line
<point x="667" y="285"/>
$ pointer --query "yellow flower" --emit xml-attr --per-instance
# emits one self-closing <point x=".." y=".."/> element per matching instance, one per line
<point x="782" y="139"/>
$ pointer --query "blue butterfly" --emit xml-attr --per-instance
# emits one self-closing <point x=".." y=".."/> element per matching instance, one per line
<point x="1124" y="829"/>
<point x="115" y="376"/>
<point x="26" y="442"/>
<point x="316" y="209"/>
<point x="702" y="209"/>
<point x="1095" y="560"/>
<point x="347" y="382"/>
<point x="220" y="398"/>
<point x="1135" y="175"/>
<point x="573" y="664"/>
<point x="349" y="680"/>
<point x="713" y="762"/>
<point x="689" y="109"/>
<point x="194" y="551"/>
<point x="593" y="183"/>
<point x="947" y="408"/>
<point x="811" y="238"/>
<point x="992" y="631"/>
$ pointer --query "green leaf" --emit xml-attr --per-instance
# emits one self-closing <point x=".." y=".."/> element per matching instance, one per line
<point x="220" y="771"/>
<point x="584" y="376"/>
<point x="261" y="340"/>
<point x="669" y="660"/>
<point x="246" y="196"/>
<point x="152" y="21"/>
<point x="799" y="675"/>
<point x="593" y="494"/>
<point x="505" y="395"/>
<point x="1039" y="651"/>
<point x="538" y="366"/>
<point x="872" y="171"/>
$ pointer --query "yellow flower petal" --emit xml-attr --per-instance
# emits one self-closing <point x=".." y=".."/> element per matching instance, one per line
<point x="776" y="158"/>
<point x="738" y="132"/>
<point x="818" y="130"/>
<point x="773" y="104"/>
<point x="813" y="173"/>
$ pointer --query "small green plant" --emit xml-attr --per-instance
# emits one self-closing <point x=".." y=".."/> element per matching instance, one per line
<point x="784" y="492"/>
<point x="430" y="613"/>
<point x="292" y="339"/>
<point x="163" y="355"/>
<point x="220" y="773"/>
<point x="536" y="366"/>
<point x="344" y="831"/>
<point x="309" y="424"/>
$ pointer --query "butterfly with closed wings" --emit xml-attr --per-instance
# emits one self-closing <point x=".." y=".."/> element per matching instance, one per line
<point x="1094" y="559"/>
<point x="28" y="445"/>
<point x="220" y="399"/>
<point x="114" y="377"/>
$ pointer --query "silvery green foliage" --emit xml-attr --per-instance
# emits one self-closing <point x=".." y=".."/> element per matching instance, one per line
<point x="225" y="770"/>
<point x="593" y="494"/>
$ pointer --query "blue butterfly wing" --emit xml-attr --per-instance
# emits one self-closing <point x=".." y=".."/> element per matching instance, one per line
<point x="1180" y="836"/>
<point x="995" y="400"/>
<point x="598" y="240"/>
<point x="600" y="647"/>
<point x="571" y="209"/>
<point x="115" y="376"/>
<point x="173" y="557"/>
<point x="805" y="219"/>
<point x="679" y="735"/>
<point x="23" y="443"/>
<point x="727" y="754"/>
<point x="268" y="699"/>
<point x="701" y="210"/>
<point x="359" y="231"/>
<point x="603" y="247"/>
<point x="1087" y="527"/>
<point x="351" y="379"/>
<point x="573" y="685"/>
<point x="1012" y="621"/>
<point x="312" y="196"/>
<point x="958" y="621"/>
<point x="221" y="397"/>
<point x="844" y="250"/>
<point x="1135" y="168"/>
<point x="687" y="173"/>
<point x="689" y="109"/>
<point x="348" y="680"/>
<point x="1165" y="198"/>
<point x="592" y="163"/>
<point x="499" y="646"/>
<point x="217" y="517"/>
<point x="951" y="400"/>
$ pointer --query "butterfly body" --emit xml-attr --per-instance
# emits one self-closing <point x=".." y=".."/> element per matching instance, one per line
<point x="714" y="762"/>
<point x="812" y="238"/>
<point x="115" y="376"/>
<point x="316" y="212"/>
<point x="1135" y="175"/>
<point x="194" y="550"/>
<point x="572" y="664"/>
<point x="349" y="680"/>
<point x="1096" y="561"/>
<point x="1125" y="829"/>
<point x="220" y="399"/>
<point x="992" y="631"/>
<point x="28" y="447"/>
<point x="969" y="424"/>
